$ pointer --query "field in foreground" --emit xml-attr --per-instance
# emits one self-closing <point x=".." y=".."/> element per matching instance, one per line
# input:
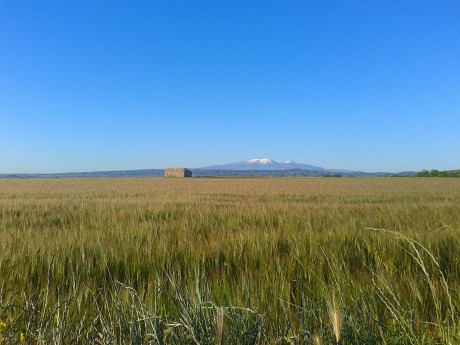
<point x="230" y="261"/>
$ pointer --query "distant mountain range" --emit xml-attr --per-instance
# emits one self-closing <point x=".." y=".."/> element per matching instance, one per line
<point x="270" y="168"/>
<point x="257" y="167"/>
<point x="270" y="164"/>
<point x="112" y="173"/>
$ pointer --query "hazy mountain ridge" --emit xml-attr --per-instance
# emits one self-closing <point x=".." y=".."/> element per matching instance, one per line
<point x="211" y="173"/>
<point x="256" y="167"/>
<point x="263" y="164"/>
<point x="292" y="173"/>
<point x="88" y="174"/>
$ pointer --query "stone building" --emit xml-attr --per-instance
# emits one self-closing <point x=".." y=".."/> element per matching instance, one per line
<point x="177" y="172"/>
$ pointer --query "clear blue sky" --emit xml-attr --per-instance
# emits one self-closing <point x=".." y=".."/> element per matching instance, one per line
<point x="108" y="85"/>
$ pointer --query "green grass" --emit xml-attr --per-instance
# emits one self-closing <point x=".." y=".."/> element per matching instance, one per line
<point x="230" y="261"/>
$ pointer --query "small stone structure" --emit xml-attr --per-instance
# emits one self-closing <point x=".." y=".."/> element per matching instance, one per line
<point x="177" y="172"/>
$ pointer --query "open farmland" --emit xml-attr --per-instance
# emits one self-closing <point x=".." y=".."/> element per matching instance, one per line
<point x="230" y="261"/>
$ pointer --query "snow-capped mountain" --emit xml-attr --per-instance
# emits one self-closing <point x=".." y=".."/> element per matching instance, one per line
<point x="264" y="164"/>
<point x="263" y="161"/>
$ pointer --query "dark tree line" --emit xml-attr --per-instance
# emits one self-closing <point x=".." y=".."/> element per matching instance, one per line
<point x="439" y="173"/>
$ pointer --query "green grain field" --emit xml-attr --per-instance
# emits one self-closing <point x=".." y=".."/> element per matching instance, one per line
<point x="230" y="261"/>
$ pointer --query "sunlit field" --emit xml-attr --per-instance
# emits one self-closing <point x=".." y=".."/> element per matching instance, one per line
<point x="230" y="261"/>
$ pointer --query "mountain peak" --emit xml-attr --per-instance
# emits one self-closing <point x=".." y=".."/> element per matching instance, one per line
<point x="260" y="161"/>
<point x="264" y="164"/>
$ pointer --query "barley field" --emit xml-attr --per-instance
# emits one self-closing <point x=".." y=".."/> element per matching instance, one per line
<point x="230" y="261"/>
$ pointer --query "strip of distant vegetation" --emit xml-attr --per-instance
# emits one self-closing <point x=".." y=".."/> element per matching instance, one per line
<point x="240" y="173"/>
<point x="439" y="173"/>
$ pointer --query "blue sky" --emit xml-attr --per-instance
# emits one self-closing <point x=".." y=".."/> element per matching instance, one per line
<point x="360" y="85"/>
